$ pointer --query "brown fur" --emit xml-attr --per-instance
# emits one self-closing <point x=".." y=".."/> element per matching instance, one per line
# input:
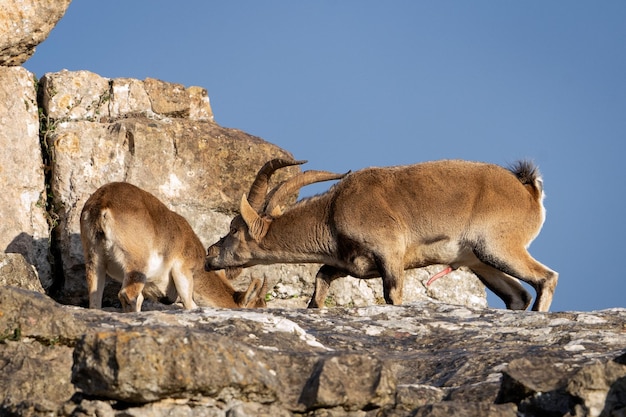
<point x="381" y="221"/>
<point x="128" y="234"/>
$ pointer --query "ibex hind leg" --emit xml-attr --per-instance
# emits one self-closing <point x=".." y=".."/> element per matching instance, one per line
<point x="171" y="294"/>
<point x="517" y="262"/>
<point x="95" y="275"/>
<point x="323" y="279"/>
<point x="509" y="289"/>
<point x="183" y="280"/>
<point x="131" y="295"/>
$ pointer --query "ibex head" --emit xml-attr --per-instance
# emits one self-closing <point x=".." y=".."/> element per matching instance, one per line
<point x="258" y="210"/>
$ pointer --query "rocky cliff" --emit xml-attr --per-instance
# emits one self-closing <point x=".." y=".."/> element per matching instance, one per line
<point x="67" y="133"/>
<point x="420" y="359"/>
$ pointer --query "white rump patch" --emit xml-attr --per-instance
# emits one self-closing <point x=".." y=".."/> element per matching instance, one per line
<point x="155" y="264"/>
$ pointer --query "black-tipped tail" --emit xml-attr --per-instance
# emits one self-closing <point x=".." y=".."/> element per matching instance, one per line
<point x="528" y="174"/>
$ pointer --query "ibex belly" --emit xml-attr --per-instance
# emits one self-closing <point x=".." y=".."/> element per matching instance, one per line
<point x="438" y="251"/>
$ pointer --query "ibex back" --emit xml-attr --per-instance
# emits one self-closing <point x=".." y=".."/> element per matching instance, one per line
<point x="128" y="234"/>
<point x="381" y="221"/>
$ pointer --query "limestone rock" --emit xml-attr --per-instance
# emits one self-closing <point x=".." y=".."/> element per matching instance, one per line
<point x="128" y="97"/>
<point x="334" y="383"/>
<point x="83" y="95"/>
<point x="15" y="271"/>
<point x="547" y="384"/>
<point x="419" y="359"/>
<point x="600" y="387"/>
<point x="26" y="367"/>
<point x="76" y="95"/>
<point x="296" y="286"/>
<point x="23" y="228"/>
<point x="139" y="366"/>
<point x="24" y="24"/>
<point x="156" y="135"/>
<point x="198" y="169"/>
<point x="24" y="313"/>
<point x="467" y="409"/>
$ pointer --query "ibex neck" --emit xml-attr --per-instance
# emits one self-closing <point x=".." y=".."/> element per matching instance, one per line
<point x="301" y="234"/>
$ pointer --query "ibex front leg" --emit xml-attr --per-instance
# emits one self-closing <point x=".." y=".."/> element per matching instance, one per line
<point x="393" y="280"/>
<point x="131" y="293"/>
<point x="324" y="277"/>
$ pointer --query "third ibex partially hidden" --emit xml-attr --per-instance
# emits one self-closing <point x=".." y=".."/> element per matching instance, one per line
<point x="381" y="221"/>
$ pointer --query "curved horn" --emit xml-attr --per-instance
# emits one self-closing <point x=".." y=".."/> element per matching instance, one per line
<point x="293" y="184"/>
<point x="259" y="187"/>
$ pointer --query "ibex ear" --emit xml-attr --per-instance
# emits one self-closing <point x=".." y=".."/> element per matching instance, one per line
<point x="276" y="212"/>
<point x="254" y="296"/>
<point x="257" y="226"/>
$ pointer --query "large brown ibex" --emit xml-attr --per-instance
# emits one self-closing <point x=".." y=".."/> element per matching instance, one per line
<point x="128" y="234"/>
<point x="381" y="221"/>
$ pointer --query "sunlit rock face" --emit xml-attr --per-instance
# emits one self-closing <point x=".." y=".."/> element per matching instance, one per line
<point x="23" y="228"/>
<point x="24" y="24"/>
<point x="420" y="359"/>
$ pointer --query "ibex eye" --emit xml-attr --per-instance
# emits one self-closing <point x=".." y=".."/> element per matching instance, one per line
<point x="233" y="231"/>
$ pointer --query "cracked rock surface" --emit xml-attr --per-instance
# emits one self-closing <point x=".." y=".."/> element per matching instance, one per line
<point x="421" y="359"/>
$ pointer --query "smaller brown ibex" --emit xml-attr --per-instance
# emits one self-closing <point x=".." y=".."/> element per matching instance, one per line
<point x="131" y="236"/>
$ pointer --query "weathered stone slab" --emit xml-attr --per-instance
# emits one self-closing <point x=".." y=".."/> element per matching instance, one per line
<point x="149" y="364"/>
<point x="84" y="95"/>
<point x="418" y="359"/>
<point x="25" y="313"/>
<point x="15" y="271"/>
<point x="23" y="228"/>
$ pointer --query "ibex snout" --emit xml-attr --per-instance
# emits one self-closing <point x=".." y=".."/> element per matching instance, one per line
<point x="212" y="254"/>
<point x="212" y="251"/>
<point x="212" y="261"/>
<point x="208" y="262"/>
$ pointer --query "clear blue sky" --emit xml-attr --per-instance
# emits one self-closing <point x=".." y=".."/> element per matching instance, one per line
<point x="351" y="84"/>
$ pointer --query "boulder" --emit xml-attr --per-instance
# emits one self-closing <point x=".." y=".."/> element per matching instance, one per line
<point x="24" y="24"/>
<point x="16" y="271"/>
